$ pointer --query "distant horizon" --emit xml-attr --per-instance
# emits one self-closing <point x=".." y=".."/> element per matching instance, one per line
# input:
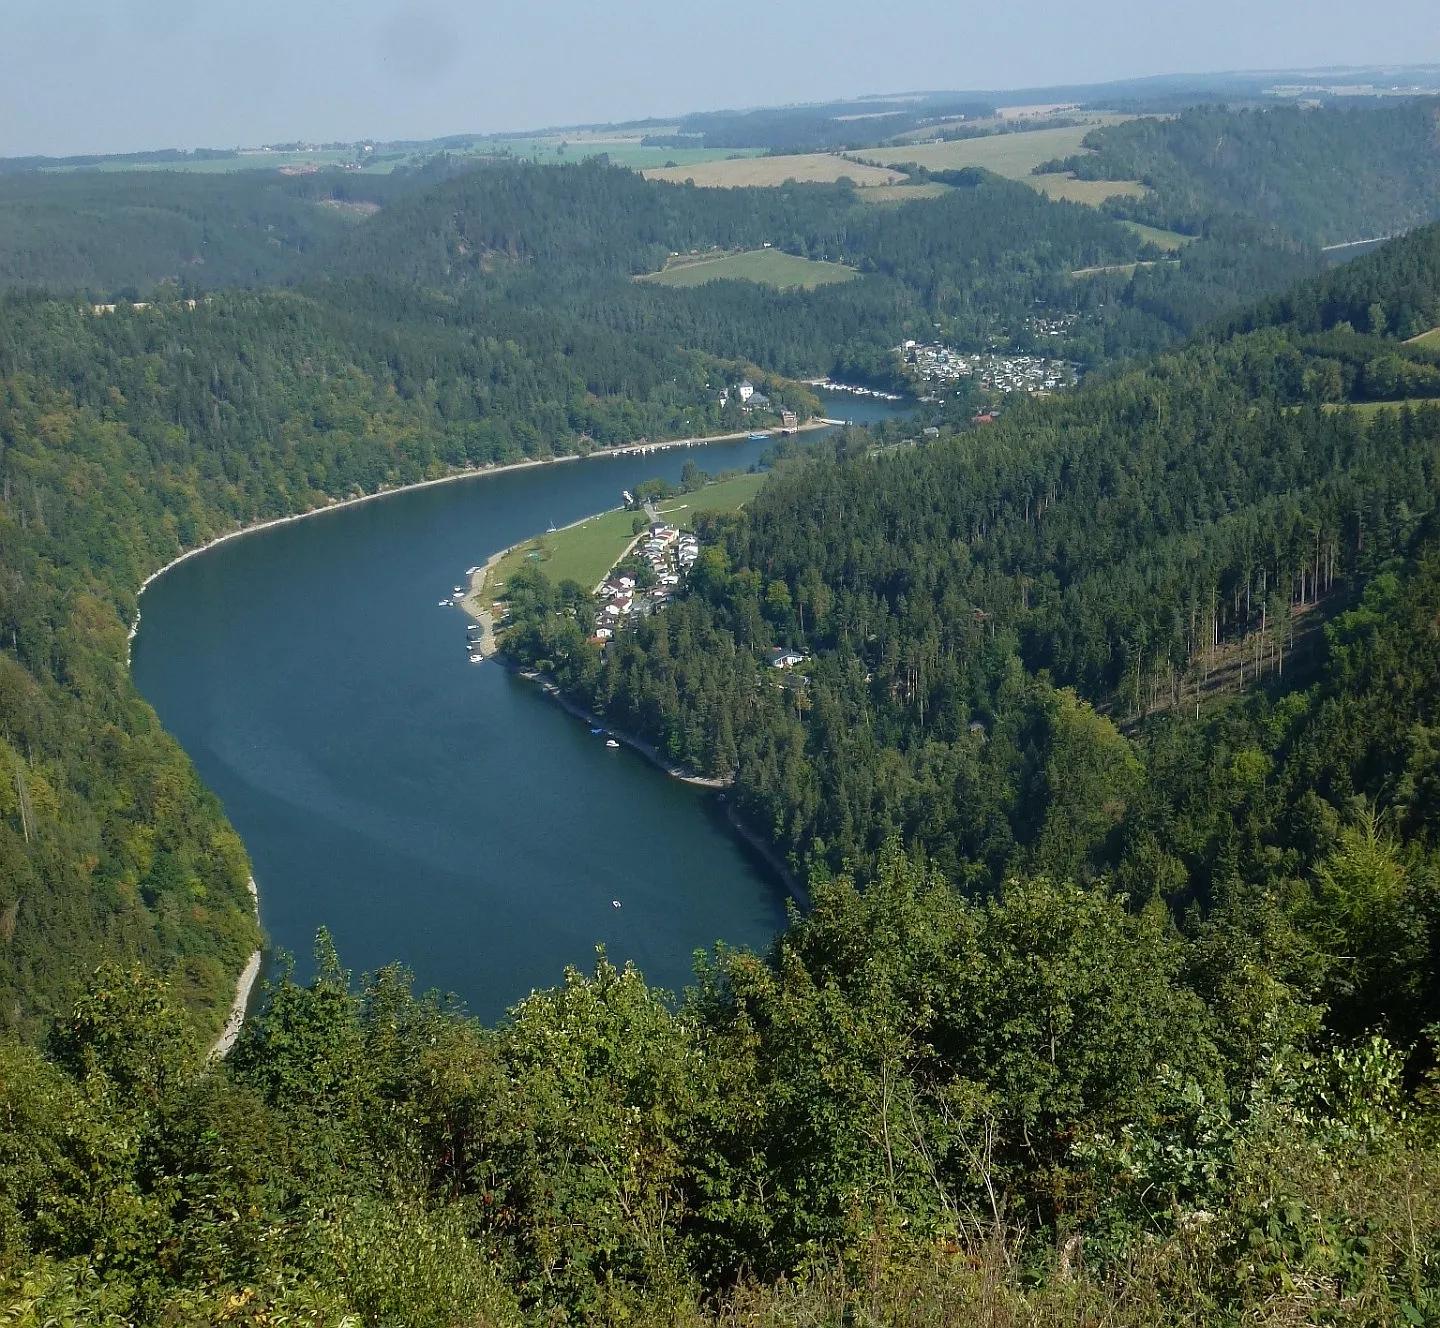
<point x="113" y="77"/>
<point x="660" y="118"/>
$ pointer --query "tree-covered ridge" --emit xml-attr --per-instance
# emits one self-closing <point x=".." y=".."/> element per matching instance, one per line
<point x="1113" y="758"/>
<point x="1329" y="175"/>
<point x="108" y="233"/>
<point x="1393" y="292"/>
<point x="1146" y="544"/>
<point x="1053" y="1104"/>
<point x="130" y="437"/>
<point x="980" y="261"/>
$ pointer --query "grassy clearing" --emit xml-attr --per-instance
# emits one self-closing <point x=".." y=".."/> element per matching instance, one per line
<point x="768" y="267"/>
<point x="1430" y="338"/>
<point x="807" y="168"/>
<point x="586" y="551"/>
<point x="1371" y="408"/>
<point x="1090" y="192"/>
<point x="1012" y="155"/>
<point x="723" y="496"/>
<point x="903" y="193"/>
<point x="1169" y="241"/>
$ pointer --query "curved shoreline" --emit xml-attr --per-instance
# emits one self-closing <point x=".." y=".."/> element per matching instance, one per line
<point x="761" y="847"/>
<point x="244" y="989"/>
<point x="455" y="476"/>
<point x="249" y="975"/>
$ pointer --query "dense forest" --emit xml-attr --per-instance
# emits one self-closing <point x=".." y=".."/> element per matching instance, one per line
<point x="1329" y="175"/>
<point x="1112" y="766"/>
<point x="1116" y="996"/>
<point x="1120" y="553"/>
<point x="977" y="265"/>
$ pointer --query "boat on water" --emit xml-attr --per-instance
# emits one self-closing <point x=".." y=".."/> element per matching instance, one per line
<point x="595" y="733"/>
<point x="610" y="742"/>
<point x="477" y="659"/>
<point x="444" y="603"/>
<point x="759" y="437"/>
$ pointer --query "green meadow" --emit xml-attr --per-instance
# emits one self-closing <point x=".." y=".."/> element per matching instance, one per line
<point x="587" y="550"/>
<point x="769" y="267"/>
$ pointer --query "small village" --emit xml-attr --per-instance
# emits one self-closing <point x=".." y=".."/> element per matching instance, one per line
<point x="645" y="579"/>
<point x="642" y="582"/>
<point x="938" y="366"/>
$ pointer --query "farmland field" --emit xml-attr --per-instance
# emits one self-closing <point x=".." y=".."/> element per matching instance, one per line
<point x="1090" y="192"/>
<point x="1430" y="338"/>
<point x="586" y="551"/>
<point x="769" y="267"/>
<point x="1013" y="155"/>
<point x="902" y="193"/>
<point x="807" y="168"/>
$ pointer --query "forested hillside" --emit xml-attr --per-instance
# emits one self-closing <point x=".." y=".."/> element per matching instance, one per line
<point x="1114" y="761"/>
<point x="1328" y="175"/>
<point x="975" y="266"/>
<point x="128" y="438"/>
<point x="1139" y="546"/>
<point x="124" y="232"/>
<point x="1112" y="764"/>
<point x="1392" y="293"/>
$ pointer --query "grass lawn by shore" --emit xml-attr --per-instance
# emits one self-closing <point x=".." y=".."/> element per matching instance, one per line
<point x="768" y="267"/>
<point x="587" y="550"/>
<point x="1430" y="338"/>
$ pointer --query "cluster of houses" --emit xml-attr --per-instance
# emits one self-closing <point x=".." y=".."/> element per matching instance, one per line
<point x="939" y="365"/>
<point x="670" y="553"/>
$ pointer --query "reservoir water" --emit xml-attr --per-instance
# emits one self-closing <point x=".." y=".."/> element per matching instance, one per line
<point x="424" y="809"/>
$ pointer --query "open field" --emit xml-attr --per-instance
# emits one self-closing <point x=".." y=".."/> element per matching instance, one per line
<point x="807" y="168"/>
<point x="1090" y="192"/>
<point x="1169" y="241"/>
<point x="1012" y="155"/>
<point x="902" y="193"/>
<point x="1430" y="338"/>
<point x="587" y="550"/>
<point x="768" y="267"/>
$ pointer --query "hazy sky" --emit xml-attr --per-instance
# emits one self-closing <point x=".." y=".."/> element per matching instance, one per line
<point x="121" y="75"/>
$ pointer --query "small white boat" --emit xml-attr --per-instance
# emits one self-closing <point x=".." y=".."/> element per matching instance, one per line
<point x="459" y="590"/>
<point x="614" y="903"/>
<point x="444" y="603"/>
<point x="610" y="742"/>
<point x="477" y="659"/>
